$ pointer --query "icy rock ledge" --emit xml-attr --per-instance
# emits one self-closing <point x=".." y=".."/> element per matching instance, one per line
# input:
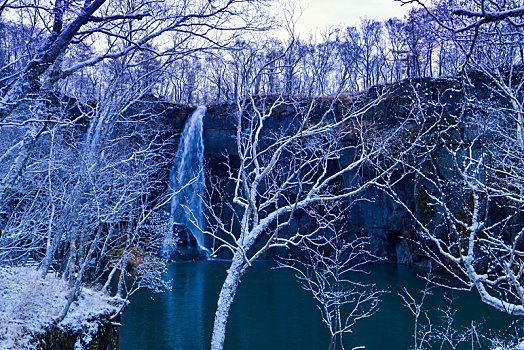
<point x="29" y="304"/>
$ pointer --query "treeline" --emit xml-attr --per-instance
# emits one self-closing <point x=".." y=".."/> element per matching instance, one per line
<point x="339" y="60"/>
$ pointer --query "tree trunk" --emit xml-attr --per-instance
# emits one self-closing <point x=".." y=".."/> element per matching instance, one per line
<point x="225" y="299"/>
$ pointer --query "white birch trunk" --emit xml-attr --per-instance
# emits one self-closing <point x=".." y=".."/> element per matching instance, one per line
<point x="225" y="299"/>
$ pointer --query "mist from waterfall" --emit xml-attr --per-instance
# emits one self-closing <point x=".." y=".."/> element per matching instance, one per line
<point x="187" y="181"/>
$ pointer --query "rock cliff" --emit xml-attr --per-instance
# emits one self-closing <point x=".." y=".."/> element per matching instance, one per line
<point x="391" y="230"/>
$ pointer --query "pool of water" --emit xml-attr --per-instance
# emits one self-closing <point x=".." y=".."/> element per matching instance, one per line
<point x="271" y="311"/>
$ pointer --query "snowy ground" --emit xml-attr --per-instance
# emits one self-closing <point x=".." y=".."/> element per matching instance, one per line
<point x="28" y="304"/>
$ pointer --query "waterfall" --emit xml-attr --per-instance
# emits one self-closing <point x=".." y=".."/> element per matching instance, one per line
<point x="187" y="181"/>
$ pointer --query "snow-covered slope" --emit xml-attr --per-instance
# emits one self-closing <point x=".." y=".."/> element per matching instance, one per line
<point x="29" y="304"/>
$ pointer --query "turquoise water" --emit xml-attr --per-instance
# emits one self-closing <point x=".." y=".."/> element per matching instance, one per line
<point x="271" y="311"/>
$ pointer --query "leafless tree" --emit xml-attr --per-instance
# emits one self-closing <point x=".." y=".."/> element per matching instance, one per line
<point x="430" y="333"/>
<point x="467" y="184"/>
<point x="114" y="30"/>
<point x="480" y="241"/>
<point x="83" y="205"/>
<point x="422" y="325"/>
<point x="329" y="270"/>
<point x="282" y="171"/>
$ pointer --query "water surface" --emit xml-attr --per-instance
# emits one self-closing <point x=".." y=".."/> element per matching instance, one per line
<point x="272" y="312"/>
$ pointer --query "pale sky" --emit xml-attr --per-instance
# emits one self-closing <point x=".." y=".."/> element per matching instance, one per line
<point x="320" y="14"/>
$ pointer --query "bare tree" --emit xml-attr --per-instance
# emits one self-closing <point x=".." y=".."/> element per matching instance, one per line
<point x="468" y="193"/>
<point x="84" y="205"/>
<point x="478" y="208"/>
<point x="329" y="270"/>
<point x="284" y="171"/>
<point x="430" y="333"/>
<point x="422" y="325"/>
<point x="489" y="34"/>
<point x="115" y="30"/>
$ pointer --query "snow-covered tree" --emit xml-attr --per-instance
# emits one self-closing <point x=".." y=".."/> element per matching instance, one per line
<point x="467" y="179"/>
<point x="283" y="171"/>
<point x="329" y="270"/>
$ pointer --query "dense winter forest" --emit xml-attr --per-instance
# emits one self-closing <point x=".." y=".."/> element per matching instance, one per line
<point x="323" y="164"/>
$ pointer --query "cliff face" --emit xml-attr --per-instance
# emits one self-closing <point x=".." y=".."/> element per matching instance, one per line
<point x="391" y="231"/>
<point x="99" y="333"/>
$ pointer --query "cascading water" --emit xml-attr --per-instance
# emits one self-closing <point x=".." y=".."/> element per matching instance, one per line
<point x="187" y="181"/>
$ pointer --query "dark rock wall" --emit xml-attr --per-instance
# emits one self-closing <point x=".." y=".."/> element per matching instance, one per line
<point x="390" y="229"/>
<point x="96" y="334"/>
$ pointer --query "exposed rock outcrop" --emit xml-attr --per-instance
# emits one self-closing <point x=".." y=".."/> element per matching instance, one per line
<point x="391" y="231"/>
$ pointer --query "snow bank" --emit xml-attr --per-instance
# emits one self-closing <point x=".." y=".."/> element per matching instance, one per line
<point x="29" y="304"/>
<point x="519" y="346"/>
